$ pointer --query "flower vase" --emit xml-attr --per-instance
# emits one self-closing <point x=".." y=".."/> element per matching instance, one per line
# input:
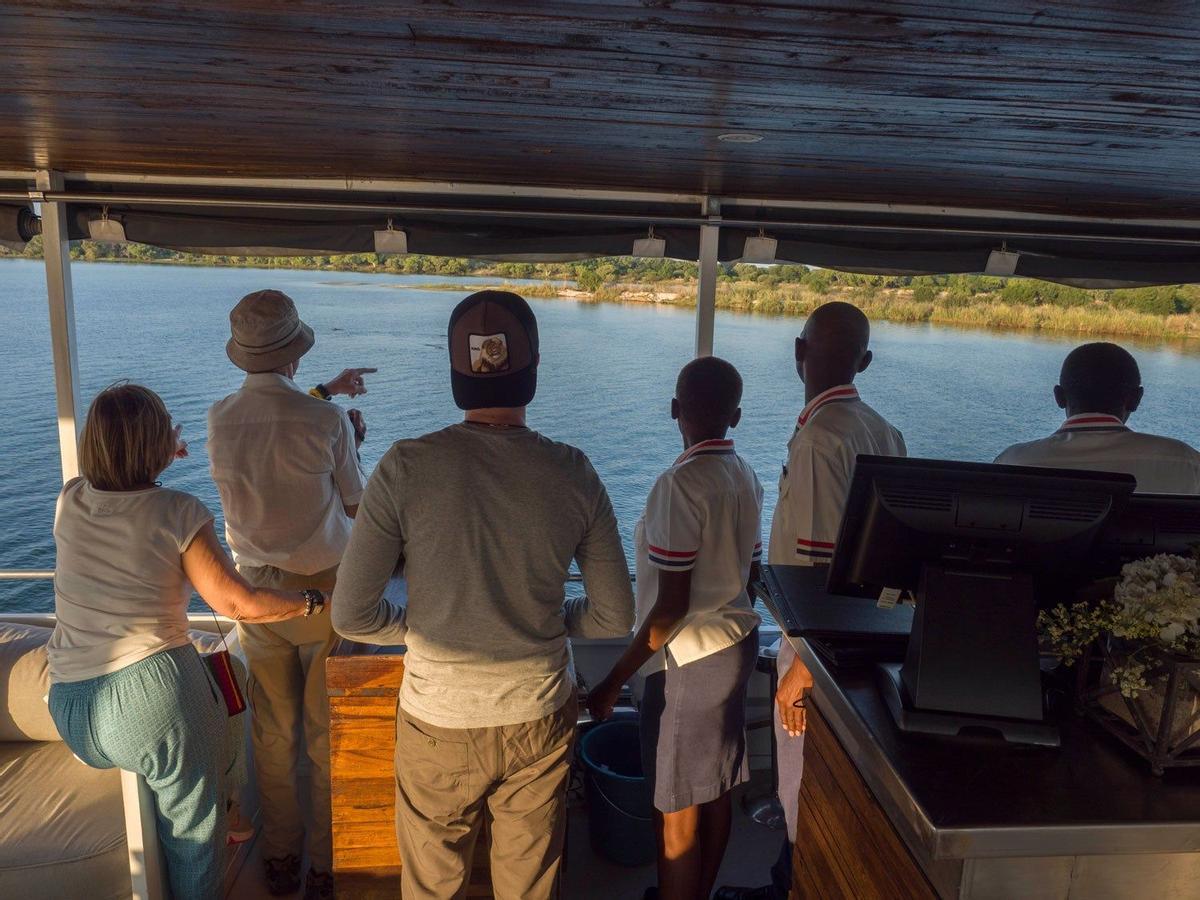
<point x="1162" y="722"/>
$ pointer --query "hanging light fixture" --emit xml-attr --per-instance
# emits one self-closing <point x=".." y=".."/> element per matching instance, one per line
<point x="111" y="231"/>
<point x="650" y="247"/>
<point x="759" y="250"/>
<point x="1002" y="262"/>
<point x="18" y="225"/>
<point x="391" y="241"/>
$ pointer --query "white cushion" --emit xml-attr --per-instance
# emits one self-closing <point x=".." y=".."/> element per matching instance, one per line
<point x="24" y="683"/>
<point x="25" y="680"/>
<point x="62" y="825"/>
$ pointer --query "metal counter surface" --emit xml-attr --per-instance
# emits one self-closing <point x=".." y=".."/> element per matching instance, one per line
<point x="968" y="797"/>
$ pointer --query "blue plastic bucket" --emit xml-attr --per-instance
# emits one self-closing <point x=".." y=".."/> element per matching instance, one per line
<point x="619" y="804"/>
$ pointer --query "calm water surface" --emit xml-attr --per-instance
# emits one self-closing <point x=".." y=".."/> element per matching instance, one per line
<point x="605" y="383"/>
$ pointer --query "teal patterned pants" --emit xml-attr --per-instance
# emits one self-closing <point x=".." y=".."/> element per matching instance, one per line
<point x="163" y="719"/>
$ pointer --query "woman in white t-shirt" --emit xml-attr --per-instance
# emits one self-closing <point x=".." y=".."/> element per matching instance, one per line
<point x="128" y="690"/>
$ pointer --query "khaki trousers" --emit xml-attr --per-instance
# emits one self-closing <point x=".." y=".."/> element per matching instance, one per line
<point x="290" y="717"/>
<point x="449" y="779"/>
<point x="789" y="751"/>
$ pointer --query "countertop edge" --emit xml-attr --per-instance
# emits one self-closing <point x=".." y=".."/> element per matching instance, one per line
<point x="928" y="842"/>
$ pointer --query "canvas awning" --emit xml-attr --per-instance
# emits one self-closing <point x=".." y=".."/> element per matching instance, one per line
<point x="911" y="246"/>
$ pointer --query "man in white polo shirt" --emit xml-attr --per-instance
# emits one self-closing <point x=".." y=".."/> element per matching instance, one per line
<point x="834" y="427"/>
<point x="286" y="465"/>
<point x="1100" y="387"/>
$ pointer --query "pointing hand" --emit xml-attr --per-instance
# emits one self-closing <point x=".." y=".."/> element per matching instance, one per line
<point x="349" y="382"/>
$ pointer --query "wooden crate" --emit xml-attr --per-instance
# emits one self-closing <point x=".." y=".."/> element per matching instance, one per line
<point x="846" y="847"/>
<point x="362" y="742"/>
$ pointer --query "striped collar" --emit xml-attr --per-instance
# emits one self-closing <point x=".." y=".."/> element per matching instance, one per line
<point x="841" y="394"/>
<point x="707" y="448"/>
<point x="1093" y="422"/>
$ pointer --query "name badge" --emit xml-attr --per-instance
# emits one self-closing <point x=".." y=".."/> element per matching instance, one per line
<point x="888" y="598"/>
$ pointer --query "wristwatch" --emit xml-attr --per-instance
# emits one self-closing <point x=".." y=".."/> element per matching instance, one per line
<point x="314" y="602"/>
<point x="320" y="392"/>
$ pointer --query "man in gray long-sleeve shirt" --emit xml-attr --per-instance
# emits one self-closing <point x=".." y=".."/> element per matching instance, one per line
<point x="484" y="518"/>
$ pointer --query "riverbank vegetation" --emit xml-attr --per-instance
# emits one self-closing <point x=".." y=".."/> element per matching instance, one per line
<point x="978" y="301"/>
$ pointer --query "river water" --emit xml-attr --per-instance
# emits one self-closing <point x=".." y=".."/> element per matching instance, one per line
<point x="605" y="382"/>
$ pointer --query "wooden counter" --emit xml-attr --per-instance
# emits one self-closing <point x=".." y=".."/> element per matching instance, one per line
<point x="891" y="814"/>
<point x="363" y="687"/>
<point x="838" y="811"/>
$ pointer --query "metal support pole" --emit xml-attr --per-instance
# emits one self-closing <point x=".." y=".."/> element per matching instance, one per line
<point x="147" y="877"/>
<point x="56" y="248"/>
<point x="706" y="289"/>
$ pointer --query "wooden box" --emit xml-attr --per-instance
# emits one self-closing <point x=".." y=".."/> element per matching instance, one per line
<point x="362" y="691"/>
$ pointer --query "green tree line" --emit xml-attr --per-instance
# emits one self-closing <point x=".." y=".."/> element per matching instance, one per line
<point x="948" y="291"/>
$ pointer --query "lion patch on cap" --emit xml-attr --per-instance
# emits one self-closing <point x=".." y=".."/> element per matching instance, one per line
<point x="493" y="342"/>
<point x="489" y="353"/>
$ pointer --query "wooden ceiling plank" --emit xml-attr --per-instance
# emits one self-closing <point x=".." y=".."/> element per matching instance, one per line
<point x="873" y="98"/>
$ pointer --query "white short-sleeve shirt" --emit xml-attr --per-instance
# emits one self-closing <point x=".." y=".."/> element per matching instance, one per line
<point x="833" y="429"/>
<point x="702" y="515"/>
<point x="120" y="592"/>
<point x="285" y="466"/>
<point x="1103" y="443"/>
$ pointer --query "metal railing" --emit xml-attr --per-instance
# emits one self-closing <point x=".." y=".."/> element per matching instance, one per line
<point x="26" y="574"/>
<point x="46" y="574"/>
<point x="577" y="577"/>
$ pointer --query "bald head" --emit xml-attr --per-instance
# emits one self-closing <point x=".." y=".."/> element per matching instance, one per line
<point x="1099" y="378"/>
<point x="839" y="326"/>
<point x="832" y="348"/>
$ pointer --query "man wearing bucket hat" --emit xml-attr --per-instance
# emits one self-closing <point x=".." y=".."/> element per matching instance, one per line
<point x="286" y="465"/>
<point x="484" y="517"/>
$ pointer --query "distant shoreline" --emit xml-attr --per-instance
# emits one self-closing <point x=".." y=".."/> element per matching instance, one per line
<point x="896" y="305"/>
<point x="891" y="305"/>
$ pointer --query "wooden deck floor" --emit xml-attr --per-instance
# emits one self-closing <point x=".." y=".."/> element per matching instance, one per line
<point x="752" y="849"/>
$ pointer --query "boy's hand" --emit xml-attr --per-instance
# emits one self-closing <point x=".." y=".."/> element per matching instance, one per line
<point x="792" y="697"/>
<point x="602" y="698"/>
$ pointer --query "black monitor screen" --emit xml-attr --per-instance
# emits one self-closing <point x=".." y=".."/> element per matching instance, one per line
<point x="904" y="513"/>
<point x="1149" y="524"/>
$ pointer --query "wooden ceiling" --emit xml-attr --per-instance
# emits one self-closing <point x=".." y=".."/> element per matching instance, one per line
<point x="1082" y="108"/>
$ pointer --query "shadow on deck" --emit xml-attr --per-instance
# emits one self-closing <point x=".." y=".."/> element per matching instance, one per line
<point x="752" y="849"/>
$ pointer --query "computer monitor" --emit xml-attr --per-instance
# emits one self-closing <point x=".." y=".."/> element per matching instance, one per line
<point x="1149" y="524"/>
<point x="973" y="543"/>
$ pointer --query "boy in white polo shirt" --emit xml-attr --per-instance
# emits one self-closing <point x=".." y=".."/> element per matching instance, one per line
<point x="698" y="548"/>
<point x="1100" y="387"/>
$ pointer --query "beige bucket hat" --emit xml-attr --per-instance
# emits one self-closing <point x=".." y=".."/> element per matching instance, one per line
<point x="267" y="332"/>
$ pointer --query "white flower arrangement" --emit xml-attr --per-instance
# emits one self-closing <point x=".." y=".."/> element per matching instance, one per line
<point x="1154" y="610"/>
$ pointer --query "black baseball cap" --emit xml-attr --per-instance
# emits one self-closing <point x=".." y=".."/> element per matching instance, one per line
<point x="493" y="342"/>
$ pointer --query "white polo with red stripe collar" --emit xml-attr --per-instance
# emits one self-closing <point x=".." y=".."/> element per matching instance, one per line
<point x="833" y="429"/>
<point x="1103" y="443"/>
<point x="702" y="516"/>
